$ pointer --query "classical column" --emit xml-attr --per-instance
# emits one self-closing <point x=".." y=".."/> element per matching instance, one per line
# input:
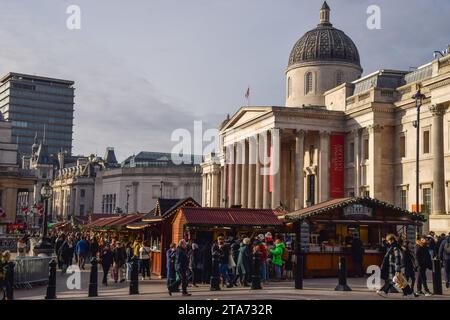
<point x="244" y="186"/>
<point x="238" y="174"/>
<point x="357" y="161"/>
<point x="265" y="164"/>
<point x="375" y="162"/>
<point x="324" y="159"/>
<point x="275" y="166"/>
<point x="222" y="187"/>
<point x="215" y="187"/>
<point x="258" y="177"/>
<point x="251" y="172"/>
<point x="299" y="164"/>
<point x="437" y="135"/>
<point x="231" y="175"/>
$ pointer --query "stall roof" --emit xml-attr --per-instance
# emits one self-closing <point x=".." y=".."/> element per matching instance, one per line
<point x="230" y="217"/>
<point x="330" y="205"/>
<point x="165" y="207"/>
<point x="117" y="221"/>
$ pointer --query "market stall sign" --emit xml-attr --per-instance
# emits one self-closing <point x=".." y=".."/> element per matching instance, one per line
<point x="358" y="210"/>
<point x="304" y="237"/>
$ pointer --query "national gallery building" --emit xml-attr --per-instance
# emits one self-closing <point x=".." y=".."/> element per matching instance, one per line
<point x="338" y="135"/>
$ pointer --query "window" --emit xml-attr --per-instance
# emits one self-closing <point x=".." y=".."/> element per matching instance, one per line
<point x="81" y="210"/>
<point x="108" y="203"/>
<point x="366" y="193"/>
<point x="308" y="82"/>
<point x="351" y="152"/>
<point x="426" y="141"/>
<point x="339" y="77"/>
<point x="289" y="87"/>
<point x="82" y="193"/>
<point x="366" y="148"/>
<point x="404" y="199"/>
<point x="426" y="193"/>
<point x="402" y="146"/>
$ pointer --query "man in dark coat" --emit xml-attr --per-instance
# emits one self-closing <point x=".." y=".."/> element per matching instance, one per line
<point x="444" y="255"/>
<point x="424" y="262"/>
<point x="106" y="259"/>
<point x="206" y="257"/>
<point x="181" y="268"/>
<point x="357" y="249"/>
<point x="224" y="256"/>
<point x="170" y="264"/>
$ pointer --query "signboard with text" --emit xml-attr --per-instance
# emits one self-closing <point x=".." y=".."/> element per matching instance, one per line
<point x="337" y="165"/>
<point x="358" y="210"/>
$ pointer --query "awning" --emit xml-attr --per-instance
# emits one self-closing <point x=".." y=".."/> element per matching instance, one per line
<point x="114" y="222"/>
<point x="230" y="217"/>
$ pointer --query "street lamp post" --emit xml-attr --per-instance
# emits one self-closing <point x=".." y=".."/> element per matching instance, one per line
<point x="44" y="245"/>
<point x="418" y="97"/>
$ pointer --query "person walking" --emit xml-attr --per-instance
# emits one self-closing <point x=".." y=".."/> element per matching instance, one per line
<point x="224" y="253"/>
<point x="66" y="252"/>
<point x="94" y="246"/>
<point x="423" y="256"/>
<point x="82" y="251"/>
<point x="194" y="256"/>
<point x="144" y="259"/>
<point x="129" y="253"/>
<point x="119" y="260"/>
<point x="59" y="241"/>
<point x="391" y="267"/>
<point x="244" y="262"/>
<point x="106" y="258"/>
<point x="277" y="261"/>
<point x="409" y="263"/>
<point x="444" y="255"/>
<point x="357" y="250"/>
<point x="181" y="269"/>
<point x="170" y="264"/>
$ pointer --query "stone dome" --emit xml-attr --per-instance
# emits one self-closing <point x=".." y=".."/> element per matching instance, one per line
<point x="324" y="43"/>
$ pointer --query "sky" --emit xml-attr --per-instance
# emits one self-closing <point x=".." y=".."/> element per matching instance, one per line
<point x="144" y="68"/>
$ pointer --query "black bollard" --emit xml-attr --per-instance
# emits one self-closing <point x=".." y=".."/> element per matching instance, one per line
<point x="342" y="285"/>
<point x="134" y="280"/>
<point x="299" y="272"/>
<point x="215" y="277"/>
<point x="93" y="278"/>
<point x="437" y="276"/>
<point x="9" y="280"/>
<point x="256" y="274"/>
<point x="51" y="287"/>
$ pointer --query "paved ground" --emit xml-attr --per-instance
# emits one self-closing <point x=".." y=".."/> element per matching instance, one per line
<point x="314" y="289"/>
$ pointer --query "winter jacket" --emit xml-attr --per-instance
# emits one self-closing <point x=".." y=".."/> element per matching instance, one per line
<point x="119" y="256"/>
<point x="66" y="251"/>
<point x="444" y="250"/>
<point x="357" y="250"/>
<point x="423" y="257"/>
<point x="392" y="262"/>
<point x="276" y="253"/>
<point x="409" y="262"/>
<point x="106" y="257"/>
<point x="82" y="248"/>
<point x="181" y="260"/>
<point x="244" y="259"/>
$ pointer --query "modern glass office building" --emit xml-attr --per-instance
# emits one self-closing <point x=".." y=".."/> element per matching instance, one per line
<point x="38" y="106"/>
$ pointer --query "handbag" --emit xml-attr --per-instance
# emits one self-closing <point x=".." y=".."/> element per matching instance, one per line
<point x="400" y="281"/>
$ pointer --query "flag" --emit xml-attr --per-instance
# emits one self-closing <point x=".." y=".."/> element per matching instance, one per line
<point x="247" y="94"/>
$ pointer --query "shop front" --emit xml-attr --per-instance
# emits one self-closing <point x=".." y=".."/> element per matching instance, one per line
<point x="325" y="232"/>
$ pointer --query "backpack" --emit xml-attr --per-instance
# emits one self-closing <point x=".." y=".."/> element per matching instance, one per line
<point x="447" y="248"/>
<point x="285" y="254"/>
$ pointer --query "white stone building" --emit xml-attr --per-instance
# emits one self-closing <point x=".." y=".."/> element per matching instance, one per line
<point x="141" y="180"/>
<point x="338" y="135"/>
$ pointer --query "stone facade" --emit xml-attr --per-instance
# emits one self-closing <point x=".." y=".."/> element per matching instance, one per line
<point x="374" y="116"/>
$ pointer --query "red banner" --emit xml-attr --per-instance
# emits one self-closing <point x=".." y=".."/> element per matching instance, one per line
<point x="337" y="165"/>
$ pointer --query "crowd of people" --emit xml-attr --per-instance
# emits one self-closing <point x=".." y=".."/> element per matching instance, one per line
<point x="188" y="262"/>
<point x="406" y="264"/>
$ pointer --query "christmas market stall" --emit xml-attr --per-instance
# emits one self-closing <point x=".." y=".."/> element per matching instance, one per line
<point x="156" y="228"/>
<point x="326" y="232"/>
<point x="115" y="227"/>
<point x="204" y="225"/>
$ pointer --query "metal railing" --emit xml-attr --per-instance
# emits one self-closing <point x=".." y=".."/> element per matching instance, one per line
<point x="31" y="271"/>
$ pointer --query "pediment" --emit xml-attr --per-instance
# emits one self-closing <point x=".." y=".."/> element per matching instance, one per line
<point x="244" y="115"/>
